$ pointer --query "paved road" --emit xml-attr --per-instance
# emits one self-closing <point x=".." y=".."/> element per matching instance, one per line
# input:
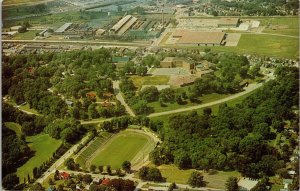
<point x="119" y="97"/>
<point x="140" y="182"/>
<point x="78" y="42"/>
<point x="248" y="89"/>
<point x="60" y="161"/>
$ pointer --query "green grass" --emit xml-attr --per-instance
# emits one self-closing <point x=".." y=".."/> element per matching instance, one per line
<point x="216" y="180"/>
<point x="282" y="25"/>
<point x="139" y="81"/>
<point x="124" y="146"/>
<point x="171" y="106"/>
<point x="15" y="127"/>
<point x="261" y="45"/>
<point x="27" y="108"/>
<point x="29" y="35"/>
<point x="44" y="146"/>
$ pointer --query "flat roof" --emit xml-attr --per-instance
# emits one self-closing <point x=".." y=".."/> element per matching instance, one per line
<point x="193" y="37"/>
<point x="229" y="21"/>
<point x="121" y="22"/>
<point x="64" y="27"/>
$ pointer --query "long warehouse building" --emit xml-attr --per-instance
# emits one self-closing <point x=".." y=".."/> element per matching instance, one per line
<point x="123" y="25"/>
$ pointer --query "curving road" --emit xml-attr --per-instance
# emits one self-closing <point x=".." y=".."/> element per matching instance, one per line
<point x="248" y="89"/>
<point x="119" y="97"/>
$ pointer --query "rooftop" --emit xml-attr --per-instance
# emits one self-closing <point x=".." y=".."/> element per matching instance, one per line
<point x="63" y="28"/>
<point x="121" y="22"/>
<point x="247" y="183"/>
<point x="193" y="37"/>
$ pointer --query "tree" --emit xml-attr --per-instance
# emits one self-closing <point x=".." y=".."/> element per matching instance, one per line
<point x="108" y="169"/>
<point x="50" y="181"/>
<point x="232" y="184"/>
<point x="141" y="70"/>
<point x="172" y="186"/>
<point x="149" y="94"/>
<point x="9" y="181"/>
<point x="100" y="168"/>
<point x="92" y="168"/>
<point x="70" y="164"/>
<point x="196" y="179"/>
<point x="126" y="166"/>
<point x="87" y="178"/>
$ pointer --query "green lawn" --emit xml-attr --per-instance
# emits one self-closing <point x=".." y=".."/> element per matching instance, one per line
<point x="44" y="146"/>
<point x="282" y="25"/>
<point x="15" y="127"/>
<point x="215" y="180"/>
<point x="27" y="108"/>
<point x="29" y="35"/>
<point x="124" y="146"/>
<point x="261" y="45"/>
<point x="264" y="44"/>
<point x="171" y="106"/>
<point x="139" y="81"/>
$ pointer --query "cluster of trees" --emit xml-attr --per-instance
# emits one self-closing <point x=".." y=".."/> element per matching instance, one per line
<point x="119" y="123"/>
<point x="15" y="153"/>
<point x="68" y="130"/>
<point x="196" y="179"/>
<point x="237" y="138"/>
<point x="31" y="124"/>
<point x="269" y="8"/>
<point x="232" y="69"/>
<point x="150" y="174"/>
<point x="27" y="78"/>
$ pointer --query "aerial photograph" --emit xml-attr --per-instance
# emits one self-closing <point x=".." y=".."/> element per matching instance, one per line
<point x="150" y="95"/>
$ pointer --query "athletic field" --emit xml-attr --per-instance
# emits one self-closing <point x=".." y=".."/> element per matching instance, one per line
<point x="131" y="145"/>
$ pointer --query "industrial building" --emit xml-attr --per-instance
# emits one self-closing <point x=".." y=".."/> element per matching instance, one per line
<point x="228" y="22"/>
<point x="195" y="38"/>
<point x="63" y="28"/>
<point x="123" y="25"/>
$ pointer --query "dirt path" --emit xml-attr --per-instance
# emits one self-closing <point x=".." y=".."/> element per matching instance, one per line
<point x="121" y="99"/>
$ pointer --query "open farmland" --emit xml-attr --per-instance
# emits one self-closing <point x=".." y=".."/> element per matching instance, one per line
<point x="44" y="146"/>
<point x="128" y="145"/>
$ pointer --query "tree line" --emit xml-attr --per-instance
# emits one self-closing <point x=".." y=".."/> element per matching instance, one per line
<point x="238" y="137"/>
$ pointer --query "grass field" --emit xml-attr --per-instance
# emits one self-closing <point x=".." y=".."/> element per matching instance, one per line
<point x="126" y="145"/>
<point x="44" y="146"/>
<point x="215" y="180"/>
<point x="29" y="35"/>
<point x="261" y="45"/>
<point x="281" y="25"/>
<point x="92" y="148"/>
<point x="9" y="2"/>
<point x="15" y="127"/>
<point x="26" y="108"/>
<point x="139" y="81"/>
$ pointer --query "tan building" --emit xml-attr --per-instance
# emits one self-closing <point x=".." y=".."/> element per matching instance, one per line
<point x="196" y="38"/>
<point x="173" y="62"/>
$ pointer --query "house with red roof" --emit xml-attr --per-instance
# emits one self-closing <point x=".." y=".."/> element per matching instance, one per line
<point x="105" y="182"/>
<point x="64" y="176"/>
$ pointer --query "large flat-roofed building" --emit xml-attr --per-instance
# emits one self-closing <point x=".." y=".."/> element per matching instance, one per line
<point x="229" y="22"/>
<point x="199" y="38"/>
<point x="123" y="25"/>
<point x="63" y="28"/>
